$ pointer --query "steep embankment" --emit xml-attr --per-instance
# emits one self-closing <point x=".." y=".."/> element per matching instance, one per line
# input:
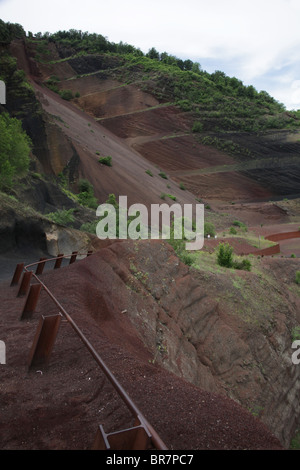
<point x="227" y="332"/>
<point x="87" y="140"/>
<point x="138" y="103"/>
<point x="127" y="175"/>
<point x="144" y="312"/>
<point x="222" y="165"/>
<point x="26" y="235"/>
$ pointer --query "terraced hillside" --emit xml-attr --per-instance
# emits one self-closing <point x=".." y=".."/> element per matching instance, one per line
<point x="219" y="159"/>
<point x="171" y="133"/>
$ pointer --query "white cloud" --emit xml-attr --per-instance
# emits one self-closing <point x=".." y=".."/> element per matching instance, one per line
<point x="256" y="39"/>
<point x="295" y="95"/>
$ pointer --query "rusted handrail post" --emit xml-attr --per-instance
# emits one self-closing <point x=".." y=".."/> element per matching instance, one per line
<point x="24" y="286"/>
<point x="156" y="440"/>
<point x="17" y="274"/>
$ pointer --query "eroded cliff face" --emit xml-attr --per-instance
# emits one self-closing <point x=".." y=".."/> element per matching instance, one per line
<point x="204" y="328"/>
<point x="227" y="332"/>
<point x="51" y="151"/>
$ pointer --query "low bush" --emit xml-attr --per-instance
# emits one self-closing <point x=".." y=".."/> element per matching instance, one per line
<point x="89" y="227"/>
<point x="15" y="146"/>
<point x="225" y="258"/>
<point x="245" y="265"/>
<point x="209" y="229"/>
<point x="86" y="194"/>
<point x="239" y="224"/>
<point x="197" y="127"/>
<point x="105" y="161"/>
<point x="225" y="255"/>
<point x="66" y="94"/>
<point x="61" y="217"/>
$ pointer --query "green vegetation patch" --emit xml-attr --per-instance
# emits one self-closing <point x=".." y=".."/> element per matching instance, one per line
<point x="105" y="161"/>
<point x="15" y="147"/>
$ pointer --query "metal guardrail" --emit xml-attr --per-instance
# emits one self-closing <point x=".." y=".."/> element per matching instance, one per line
<point x="141" y="436"/>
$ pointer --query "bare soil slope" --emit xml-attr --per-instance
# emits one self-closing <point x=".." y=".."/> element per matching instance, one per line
<point x="60" y="407"/>
<point x="194" y="349"/>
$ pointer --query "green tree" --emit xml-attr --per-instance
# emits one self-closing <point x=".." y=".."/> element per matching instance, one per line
<point x="225" y="255"/>
<point x="10" y="31"/>
<point x="209" y="229"/>
<point x="15" y="146"/>
<point x="196" y="68"/>
<point x="188" y="64"/>
<point x="86" y="195"/>
<point x="153" y="53"/>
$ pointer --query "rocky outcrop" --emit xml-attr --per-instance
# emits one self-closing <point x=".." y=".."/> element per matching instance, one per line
<point x="27" y="232"/>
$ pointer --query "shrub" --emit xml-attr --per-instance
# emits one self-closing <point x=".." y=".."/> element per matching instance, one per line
<point x="61" y="217"/>
<point x="87" y="200"/>
<point x="239" y="224"/>
<point x="186" y="258"/>
<point x="296" y="333"/>
<point x="149" y="172"/>
<point x="197" y="127"/>
<point x="181" y="185"/>
<point x="85" y="186"/>
<point x="225" y="255"/>
<point x="105" y="161"/>
<point x="15" y="146"/>
<point x="245" y="265"/>
<point x="209" y="229"/>
<point x="66" y="94"/>
<point x="89" y="227"/>
<point x="163" y="175"/>
<point x="52" y="85"/>
<point x="86" y="194"/>
<point x="297" y="277"/>
<point x="232" y="231"/>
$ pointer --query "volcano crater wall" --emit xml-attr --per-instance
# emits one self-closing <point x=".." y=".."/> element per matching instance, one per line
<point x="184" y="319"/>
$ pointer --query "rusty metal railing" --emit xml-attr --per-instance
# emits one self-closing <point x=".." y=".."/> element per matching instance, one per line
<point x="141" y="435"/>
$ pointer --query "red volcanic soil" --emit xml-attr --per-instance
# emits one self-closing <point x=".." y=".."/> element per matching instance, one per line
<point x="61" y="406"/>
<point x="180" y="153"/>
<point x="166" y="119"/>
<point x="127" y="176"/>
<point x="115" y="100"/>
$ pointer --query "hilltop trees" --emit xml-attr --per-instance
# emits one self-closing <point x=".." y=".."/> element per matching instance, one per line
<point x="10" y="31"/>
<point x="218" y="102"/>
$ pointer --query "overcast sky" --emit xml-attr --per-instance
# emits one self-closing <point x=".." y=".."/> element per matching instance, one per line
<point x="257" y="41"/>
